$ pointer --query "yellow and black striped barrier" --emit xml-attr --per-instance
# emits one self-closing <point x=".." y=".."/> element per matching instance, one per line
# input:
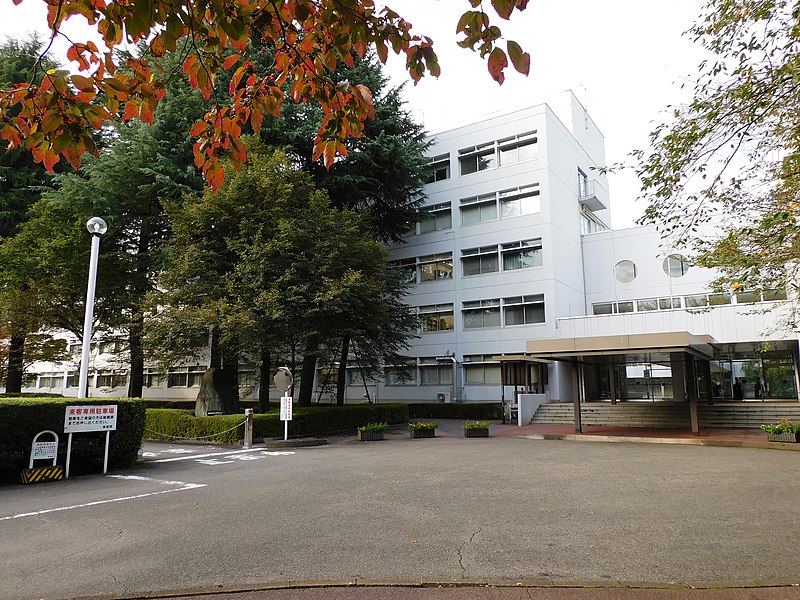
<point x="42" y="474"/>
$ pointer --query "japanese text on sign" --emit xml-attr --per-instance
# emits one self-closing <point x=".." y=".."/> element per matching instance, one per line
<point x="79" y="419"/>
<point x="44" y="450"/>
<point x="286" y="408"/>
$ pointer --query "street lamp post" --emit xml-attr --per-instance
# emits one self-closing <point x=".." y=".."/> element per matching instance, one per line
<point x="96" y="227"/>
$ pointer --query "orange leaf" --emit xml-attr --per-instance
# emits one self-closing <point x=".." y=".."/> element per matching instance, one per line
<point x="198" y="128"/>
<point x="521" y="60"/>
<point x="230" y="61"/>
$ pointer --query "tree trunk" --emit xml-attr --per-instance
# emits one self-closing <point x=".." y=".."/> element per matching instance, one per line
<point x="15" y="363"/>
<point x="229" y="378"/>
<point x="136" y="375"/>
<point x="307" y="373"/>
<point x="264" y="379"/>
<point x="341" y="376"/>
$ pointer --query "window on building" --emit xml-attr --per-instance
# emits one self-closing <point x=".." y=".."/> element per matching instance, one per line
<point x="675" y="265"/>
<point x="583" y="184"/>
<point x="522" y="255"/>
<point x="668" y="303"/>
<point x="111" y="379"/>
<point x="436" y="267"/>
<point x="435" y="218"/>
<point x="185" y="376"/>
<point x="50" y="380"/>
<point x="747" y="297"/>
<point x="477" y="158"/>
<point x="432" y="372"/>
<point x="607" y="308"/>
<point x="110" y="346"/>
<point x="436" y="317"/>
<point x="479" y="209"/>
<point x="772" y="295"/>
<point x="438" y="168"/>
<point x="408" y="267"/>
<point x="520" y="201"/>
<point x="153" y="379"/>
<point x="646" y="305"/>
<point x="405" y="374"/>
<point x="481" y="313"/>
<point x="73" y="379"/>
<point x="477" y="261"/>
<point x="481" y="370"/>
<point x="524" y="310"/>
<point x="625" y="271"/>
<point x="518" y="148"/>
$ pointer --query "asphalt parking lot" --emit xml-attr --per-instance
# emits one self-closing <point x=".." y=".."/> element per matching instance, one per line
<point x="502" y="511"/>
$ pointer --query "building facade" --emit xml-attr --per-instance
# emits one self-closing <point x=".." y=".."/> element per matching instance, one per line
<point x="520" y="286"/>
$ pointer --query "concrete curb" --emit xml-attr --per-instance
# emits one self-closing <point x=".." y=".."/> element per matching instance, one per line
<point x="296" y="443"/>
<point x="423" y="584"/>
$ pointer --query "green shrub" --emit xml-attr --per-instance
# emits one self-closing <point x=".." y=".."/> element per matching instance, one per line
<point x="467" y="410"/>
<point x="169" y="424"/>
<point x="374" y="427"/>
<point x="421" y="425"/>
<point x="29" y="395"/>
<point x="476" y="424"/>
<point x="22" y="418"/>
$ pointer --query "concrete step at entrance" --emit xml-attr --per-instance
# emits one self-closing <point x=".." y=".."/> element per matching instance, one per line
<point x="669" y="414"/>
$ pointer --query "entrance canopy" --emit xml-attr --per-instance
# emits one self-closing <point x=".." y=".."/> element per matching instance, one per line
<point x="571" y="348"/>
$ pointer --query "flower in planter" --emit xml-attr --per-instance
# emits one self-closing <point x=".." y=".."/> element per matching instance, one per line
<point x="785" y="426"/>
<point x="476" y="424"/>
<point x="420" y="425"/>
<point x="374" y="427"/>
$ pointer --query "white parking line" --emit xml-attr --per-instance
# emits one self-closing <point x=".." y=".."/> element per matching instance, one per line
<point x="184" y="486"/>
<point x="196" y="456"/>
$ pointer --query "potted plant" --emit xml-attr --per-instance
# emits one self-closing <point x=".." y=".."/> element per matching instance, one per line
<point x="423" y="429"/>
<point x="372" y="432"/>
<point x="785" y="431"/>
<point x="476" y="428"/>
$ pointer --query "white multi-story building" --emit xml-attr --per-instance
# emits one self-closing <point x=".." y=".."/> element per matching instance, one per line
<point x="521" y="287"/>
<point x="517" y="279"/>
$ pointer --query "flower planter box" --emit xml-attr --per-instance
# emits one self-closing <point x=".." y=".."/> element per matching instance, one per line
<point x="784" y="436"/>
<point x="370" y="436"/>
<point x="422" y="433"/>
<point x="484" y="432"/>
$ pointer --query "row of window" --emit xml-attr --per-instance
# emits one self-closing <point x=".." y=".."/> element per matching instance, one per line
<point x="478" y="370"/>
<point x="512" y="256"/>
<point x="499" y="153"/>
<point x="480" y="314"/>
<point x="505" y="204"/>
<point x="190" y="377"/>
<point x="693" y="301"/>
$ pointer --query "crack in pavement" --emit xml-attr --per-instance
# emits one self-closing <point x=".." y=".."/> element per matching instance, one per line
<point x="115" y="530"/>
<point x="461" y="550"/>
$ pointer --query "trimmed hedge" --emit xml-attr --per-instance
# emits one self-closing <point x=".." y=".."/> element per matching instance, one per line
<point x="169" y="424"/>
<point x="475" y="411"/>
<point x="22" y="418"/>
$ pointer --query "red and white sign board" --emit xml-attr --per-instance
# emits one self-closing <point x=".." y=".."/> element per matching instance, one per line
<point x="81" y="419"/>
<point x="286" y="408"/>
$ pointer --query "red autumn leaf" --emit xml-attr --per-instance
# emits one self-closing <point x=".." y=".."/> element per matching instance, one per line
<point x="504" y="8"/>
<point x="497" y="62"/>
<point x="230" y="61"/>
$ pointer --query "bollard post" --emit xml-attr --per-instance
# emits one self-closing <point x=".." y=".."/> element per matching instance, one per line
<point x="248" y="428"/>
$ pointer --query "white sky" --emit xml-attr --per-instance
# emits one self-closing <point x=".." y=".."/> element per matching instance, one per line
<point x="625" y="60"/>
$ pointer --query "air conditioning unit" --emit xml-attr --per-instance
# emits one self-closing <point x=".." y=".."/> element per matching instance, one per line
<point x="443" y="397"/>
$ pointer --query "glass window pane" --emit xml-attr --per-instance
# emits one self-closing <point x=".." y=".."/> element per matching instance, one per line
<point x="605" y="308"/>
<point x="645" y="305"/>
<point x="625" y="307"/>
<point x="468" y="164"/>
<point x="515" y="315"/>
<point x="471" y="265"/>
<point x="470" y="215"/>
<point x="625" y="271"/>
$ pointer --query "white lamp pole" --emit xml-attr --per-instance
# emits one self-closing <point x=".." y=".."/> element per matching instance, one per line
<point x="96" y="227"/>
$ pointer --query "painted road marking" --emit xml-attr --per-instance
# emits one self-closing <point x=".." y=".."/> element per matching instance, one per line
<point x="210" y="455"/>
<point x="232" y="453"/>
<point x="214" y="461"/>
<point x="183" y="486"/>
